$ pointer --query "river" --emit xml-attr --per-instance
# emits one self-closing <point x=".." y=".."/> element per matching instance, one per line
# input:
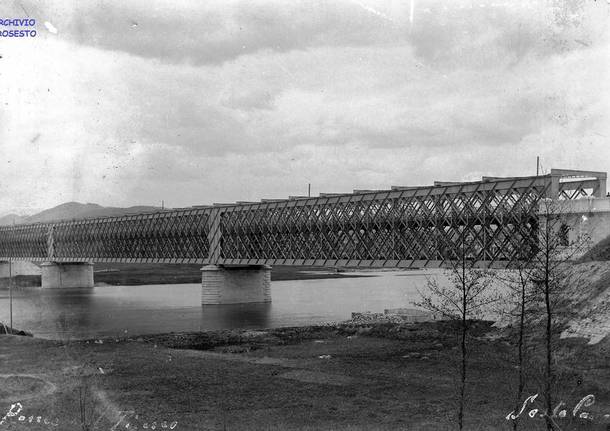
<point x="137" y="310"/>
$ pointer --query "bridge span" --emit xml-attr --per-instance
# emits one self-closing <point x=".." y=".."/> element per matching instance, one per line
<point x="496" y="221"/>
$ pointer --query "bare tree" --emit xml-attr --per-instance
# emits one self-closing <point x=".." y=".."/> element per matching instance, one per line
<point x="551" y="272"/>
<point x="517" y="307"/>
<point x="462" y="300"/>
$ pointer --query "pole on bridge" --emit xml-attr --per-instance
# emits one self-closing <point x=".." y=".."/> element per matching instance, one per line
<point x="10" y="293"/>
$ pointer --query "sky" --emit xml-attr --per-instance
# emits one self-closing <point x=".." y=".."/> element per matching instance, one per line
<point x="187" y="102"/>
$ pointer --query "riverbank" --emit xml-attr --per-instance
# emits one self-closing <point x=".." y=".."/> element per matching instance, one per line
<point x="374" y="376"/>
<point x="125" y="274"/>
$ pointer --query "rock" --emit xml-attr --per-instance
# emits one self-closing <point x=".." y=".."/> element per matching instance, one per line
<point x="235" y="349"/>
<point x="4" y="329"/>
<point x="367" y="317"/>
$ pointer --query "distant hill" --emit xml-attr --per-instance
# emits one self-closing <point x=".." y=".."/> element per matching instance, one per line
<point x="74" y="210"/>
<point x="10" y="219"/>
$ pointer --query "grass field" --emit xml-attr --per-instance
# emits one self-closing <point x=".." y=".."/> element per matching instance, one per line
<point x="345" y="377"/>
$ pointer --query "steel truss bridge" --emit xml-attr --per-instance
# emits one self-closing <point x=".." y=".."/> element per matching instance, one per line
<point x="495" y="221"/>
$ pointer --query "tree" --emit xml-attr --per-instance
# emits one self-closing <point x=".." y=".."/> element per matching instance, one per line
<point x="517" y="306"/>
<point x="551" y="273"/>
<point x="462" y="300"/>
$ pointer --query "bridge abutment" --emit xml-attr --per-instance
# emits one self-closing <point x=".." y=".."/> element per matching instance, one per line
<point x="578" y="220"/>
<point x="55" y="275"/>
<point x="235" y="285"/>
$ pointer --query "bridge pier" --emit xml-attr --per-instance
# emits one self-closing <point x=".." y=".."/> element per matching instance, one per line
<point x="55" y="275"/>
<point x="235" y="284"/>
<point x="5" y="269"/>
<point x="17" y="268"/>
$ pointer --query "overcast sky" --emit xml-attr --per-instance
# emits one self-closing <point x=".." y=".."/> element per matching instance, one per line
<point x="125" y="103"/>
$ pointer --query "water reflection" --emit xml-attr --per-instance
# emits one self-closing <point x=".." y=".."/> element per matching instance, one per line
<point x="236" y="315"/>
<point x="64" y="308"/>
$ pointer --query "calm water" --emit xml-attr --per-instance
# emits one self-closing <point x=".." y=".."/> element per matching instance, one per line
<point x="133" y="310"/>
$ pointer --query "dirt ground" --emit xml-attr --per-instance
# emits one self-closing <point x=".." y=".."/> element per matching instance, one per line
<point x="350" y="377"/>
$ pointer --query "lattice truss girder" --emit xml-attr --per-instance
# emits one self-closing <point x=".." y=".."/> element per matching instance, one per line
<point x="24" y="242"/>
<point x="577" y="189"/>
<point x="172" y="236"/>
<point x="489" y="221"/>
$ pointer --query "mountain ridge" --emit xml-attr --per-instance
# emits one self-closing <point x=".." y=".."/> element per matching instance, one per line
<point x="74" y="210"/>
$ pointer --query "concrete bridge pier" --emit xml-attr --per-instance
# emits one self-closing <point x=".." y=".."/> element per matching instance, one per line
<point x="5" y="269"/>
<point x="16" y="268"/>
<point x="55" y="275"/>
<point x="235" y="284"/>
